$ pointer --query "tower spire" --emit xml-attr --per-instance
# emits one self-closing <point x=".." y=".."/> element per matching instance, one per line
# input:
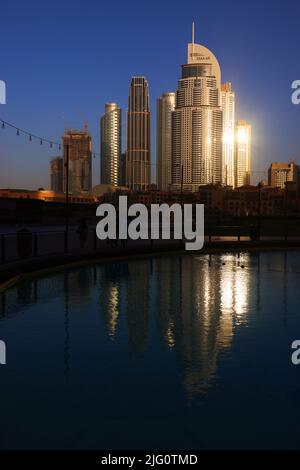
<point x="193" y="35"/>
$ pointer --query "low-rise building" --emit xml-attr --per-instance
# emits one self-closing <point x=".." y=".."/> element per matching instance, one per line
<point x="281" y="173"/>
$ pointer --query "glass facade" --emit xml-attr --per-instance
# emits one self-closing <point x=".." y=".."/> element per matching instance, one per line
<point x="197" y="128"/>
<point x="110" y="150"/>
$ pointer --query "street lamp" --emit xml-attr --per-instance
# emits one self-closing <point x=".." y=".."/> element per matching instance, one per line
<point x="181" y="181"/>
<point x="259" y="208"/>
<point x="286" y="194"/>
<point x="181" y="185"/>
<point x="67" y="149"/>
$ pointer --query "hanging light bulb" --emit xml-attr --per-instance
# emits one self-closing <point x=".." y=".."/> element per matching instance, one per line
<point x="18" y="132"/>
<point x="41" y="142"/>
<point x="3" y="126"/>
<point x="51" y="145"/>
<point x="30" y="138"/>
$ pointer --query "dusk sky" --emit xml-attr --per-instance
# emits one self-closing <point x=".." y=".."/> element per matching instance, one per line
<point x="61" y="65"/>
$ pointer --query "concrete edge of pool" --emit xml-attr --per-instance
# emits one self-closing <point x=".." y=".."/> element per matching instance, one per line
<point x="13" y="273"/>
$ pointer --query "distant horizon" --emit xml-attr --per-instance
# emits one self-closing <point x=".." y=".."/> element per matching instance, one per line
<point x="64" y="68"/>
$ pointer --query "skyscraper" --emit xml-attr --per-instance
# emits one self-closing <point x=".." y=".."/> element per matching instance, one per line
<point x="111" y="145"/>
<point x="56" y="174"/>
<point x="80" y="160"/>
<point x="228" y="109"/>
<point x="197" y="122"/>
<point x="242" y="154"/>
<point x="138" y="160"/>
<point x="165" y="107"/>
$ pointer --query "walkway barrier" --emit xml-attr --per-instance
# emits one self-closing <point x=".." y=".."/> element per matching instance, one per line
<point x="27" y="243"/>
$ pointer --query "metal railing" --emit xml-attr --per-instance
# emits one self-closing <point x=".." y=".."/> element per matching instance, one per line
<point x="25" y="244"/>
<point x="28" y="244"/>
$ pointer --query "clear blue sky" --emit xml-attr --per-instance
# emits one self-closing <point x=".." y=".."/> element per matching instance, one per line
<point x="62" y="60"/>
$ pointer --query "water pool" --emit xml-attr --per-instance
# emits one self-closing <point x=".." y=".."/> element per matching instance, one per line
<point x="178" y="352"/>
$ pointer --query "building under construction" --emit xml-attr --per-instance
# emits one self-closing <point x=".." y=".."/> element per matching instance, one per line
<point x="79" y="146"/>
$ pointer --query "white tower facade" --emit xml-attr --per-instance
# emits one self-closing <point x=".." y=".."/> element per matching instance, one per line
<point x="242" y="157"/>
<point x="110" y="133"/>
<point x="197" y="122"/>
<point x="228" y="109"/>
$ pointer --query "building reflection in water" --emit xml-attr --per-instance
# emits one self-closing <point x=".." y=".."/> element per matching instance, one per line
<point x="199" y="301"/>
<point x="191" y="304"/>
<point x="124" y="292"/>
<point x="109" y="281"/>
<point x="196" y="302"/>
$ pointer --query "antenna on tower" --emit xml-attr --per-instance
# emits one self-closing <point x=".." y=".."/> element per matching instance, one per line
<point x="193" y="35"/>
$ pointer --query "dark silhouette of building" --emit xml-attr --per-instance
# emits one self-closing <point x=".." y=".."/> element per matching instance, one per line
<point x="138" y="162"/>
<point x="56" y="174"/>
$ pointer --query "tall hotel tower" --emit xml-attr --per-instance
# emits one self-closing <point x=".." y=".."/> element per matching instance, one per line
<point x="165" y="107"/>
<point x="138" y="168"/>
<point x="79" y="144"/>
<point x="197" y="122"/>
<point x="228" y="108"/>
<point x="111" y="145"/>
<point x="242" y="155"/>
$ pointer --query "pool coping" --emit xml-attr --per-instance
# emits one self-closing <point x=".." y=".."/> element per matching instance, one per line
<point x="32" y="267"/>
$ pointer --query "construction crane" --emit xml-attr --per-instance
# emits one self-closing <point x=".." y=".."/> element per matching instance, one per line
<point x="258" y="173"/>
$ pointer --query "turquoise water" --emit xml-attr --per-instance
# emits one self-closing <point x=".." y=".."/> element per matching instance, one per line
<point x="168" y="353"/>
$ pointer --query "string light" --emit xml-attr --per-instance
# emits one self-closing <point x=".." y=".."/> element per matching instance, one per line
<point x="42" y="140"/>
<point x="31" y="135"/>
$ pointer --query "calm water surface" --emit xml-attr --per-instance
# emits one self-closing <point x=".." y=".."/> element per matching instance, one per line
<point x="170" y="352"/>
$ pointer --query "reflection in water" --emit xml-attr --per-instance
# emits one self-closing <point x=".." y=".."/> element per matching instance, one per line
<point x="109" y="298"/>
<point x="170" y="337"/>
<point x="234" y="286"/>
<point x="154" y="352"/>
<point x="197" y="303"/>
<point x="194" y="304"/>
<point x="66" y="324"/>
<point x="137" y="306"/>
<point x="113" y="309"/>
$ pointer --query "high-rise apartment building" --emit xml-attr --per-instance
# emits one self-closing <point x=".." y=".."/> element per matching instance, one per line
<point x="79" y="144"/>
<point x="56" y="174"/>
<point x="242" y="153"/>
<point x="165" y="107"/>
<point x="197" y="122"/>
<point x="228" y="109"/>
<point x="281" y="173"/>
<point x="110" y="150"/>
<point x="138" y="161"/>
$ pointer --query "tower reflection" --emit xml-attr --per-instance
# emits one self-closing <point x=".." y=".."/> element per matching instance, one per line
<point x="196" y="303"/>
<point x="191" y="304"/>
